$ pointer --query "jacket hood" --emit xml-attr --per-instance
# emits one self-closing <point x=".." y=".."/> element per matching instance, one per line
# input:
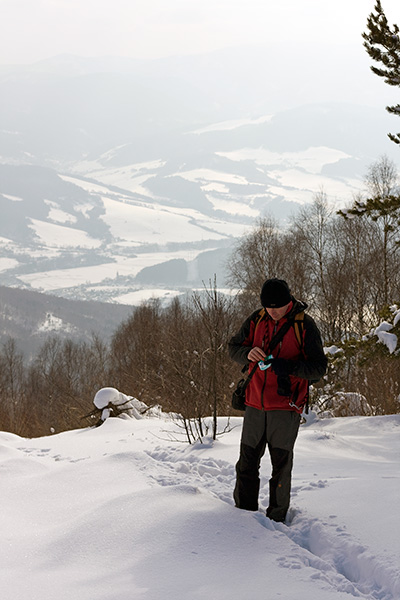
<point x="298" y="306"/>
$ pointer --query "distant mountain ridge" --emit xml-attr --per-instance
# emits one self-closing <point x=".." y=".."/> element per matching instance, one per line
<point x="120" y="176"/>
<point x="31" y="317"/>
<point x="71" y="108"/>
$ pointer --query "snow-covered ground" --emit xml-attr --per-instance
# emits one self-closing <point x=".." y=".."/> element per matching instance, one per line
<point x="51" y="281"/>
<point x="123" y="512"/>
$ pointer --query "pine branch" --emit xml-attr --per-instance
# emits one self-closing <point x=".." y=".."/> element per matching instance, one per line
<point x="382" y="44"/>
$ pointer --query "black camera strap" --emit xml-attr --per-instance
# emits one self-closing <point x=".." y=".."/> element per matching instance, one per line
<point x="279" y="336"/>
<point x="249" y="376"/>
<point x="272" y="344"/>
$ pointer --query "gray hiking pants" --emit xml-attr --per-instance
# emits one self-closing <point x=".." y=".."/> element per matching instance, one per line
<point x="278" y="429"/>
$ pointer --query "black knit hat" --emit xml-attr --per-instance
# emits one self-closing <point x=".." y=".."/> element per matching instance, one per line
<point x="275" y="293"/>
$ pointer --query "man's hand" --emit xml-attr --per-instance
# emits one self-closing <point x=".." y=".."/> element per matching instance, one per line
<point x="256" y="354"/>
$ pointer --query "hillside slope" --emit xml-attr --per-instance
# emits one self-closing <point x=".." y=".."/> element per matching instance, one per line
<point x="30" y="317"/>
<point x="122" y="512"/>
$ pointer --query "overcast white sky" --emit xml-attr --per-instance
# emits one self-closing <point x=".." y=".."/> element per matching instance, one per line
<point x="32" y="30"/>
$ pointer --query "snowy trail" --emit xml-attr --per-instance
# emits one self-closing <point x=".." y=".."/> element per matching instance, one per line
<point x="120" y="512"/>
<point x="337" y="558"/>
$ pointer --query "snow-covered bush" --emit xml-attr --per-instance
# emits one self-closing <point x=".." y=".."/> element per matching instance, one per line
<point x="343" y="404"/>
<point x="109" y="402"/>
<point x="363" y="373"/>
<point x="112" y="403"/>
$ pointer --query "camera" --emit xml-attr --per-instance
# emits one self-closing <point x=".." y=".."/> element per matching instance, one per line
<point x="284" y="385"/>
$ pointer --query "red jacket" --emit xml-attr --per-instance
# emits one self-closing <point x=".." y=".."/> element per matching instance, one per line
<point x="308" y="358"/>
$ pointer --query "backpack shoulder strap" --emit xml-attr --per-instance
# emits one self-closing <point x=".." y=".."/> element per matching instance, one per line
<point x="298" y="325"/>
<point x="260" y="317"/>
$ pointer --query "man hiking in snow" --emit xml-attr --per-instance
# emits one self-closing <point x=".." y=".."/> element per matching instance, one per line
<point x="287" y="346"/>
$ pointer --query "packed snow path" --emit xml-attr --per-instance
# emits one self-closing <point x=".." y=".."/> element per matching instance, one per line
<point x="123" y="512"/>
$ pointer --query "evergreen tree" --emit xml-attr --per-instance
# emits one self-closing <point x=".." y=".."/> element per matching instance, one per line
<point x="383" y="45"/>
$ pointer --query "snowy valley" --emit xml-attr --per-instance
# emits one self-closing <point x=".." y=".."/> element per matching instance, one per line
<point x="122" y="180"/>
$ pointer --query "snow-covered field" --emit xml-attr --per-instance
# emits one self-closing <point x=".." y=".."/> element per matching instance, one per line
<point x="112" y="208"/>
<point x="50" y="281"/>
<point x="123" y="512"/>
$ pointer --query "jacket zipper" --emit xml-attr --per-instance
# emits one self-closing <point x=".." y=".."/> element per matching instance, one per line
<point x="263" y="388"/>
<point x="266" y="370"/>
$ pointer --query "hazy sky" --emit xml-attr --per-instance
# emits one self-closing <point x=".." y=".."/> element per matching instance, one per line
<point x="31" y="30"/>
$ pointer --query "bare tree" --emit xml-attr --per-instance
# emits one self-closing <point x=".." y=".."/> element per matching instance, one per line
<point x="135" y="354"/>
<point x="63" y="380"/>
<point x="313" y="229"/>
<point x="355" y="238"/>
<point x="215" y="312"/>
<point x="12" y="388"/>
<point x="256" y="257"/>
<point x="383" y="207"/>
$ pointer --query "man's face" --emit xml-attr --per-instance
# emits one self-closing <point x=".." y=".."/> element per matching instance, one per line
<point x="278" y="313"/>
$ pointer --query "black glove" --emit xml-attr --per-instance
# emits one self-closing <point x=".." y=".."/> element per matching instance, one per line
<point x="281" y="366"/>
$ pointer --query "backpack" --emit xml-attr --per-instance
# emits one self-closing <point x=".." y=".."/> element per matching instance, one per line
<point x="298" y="324"/>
